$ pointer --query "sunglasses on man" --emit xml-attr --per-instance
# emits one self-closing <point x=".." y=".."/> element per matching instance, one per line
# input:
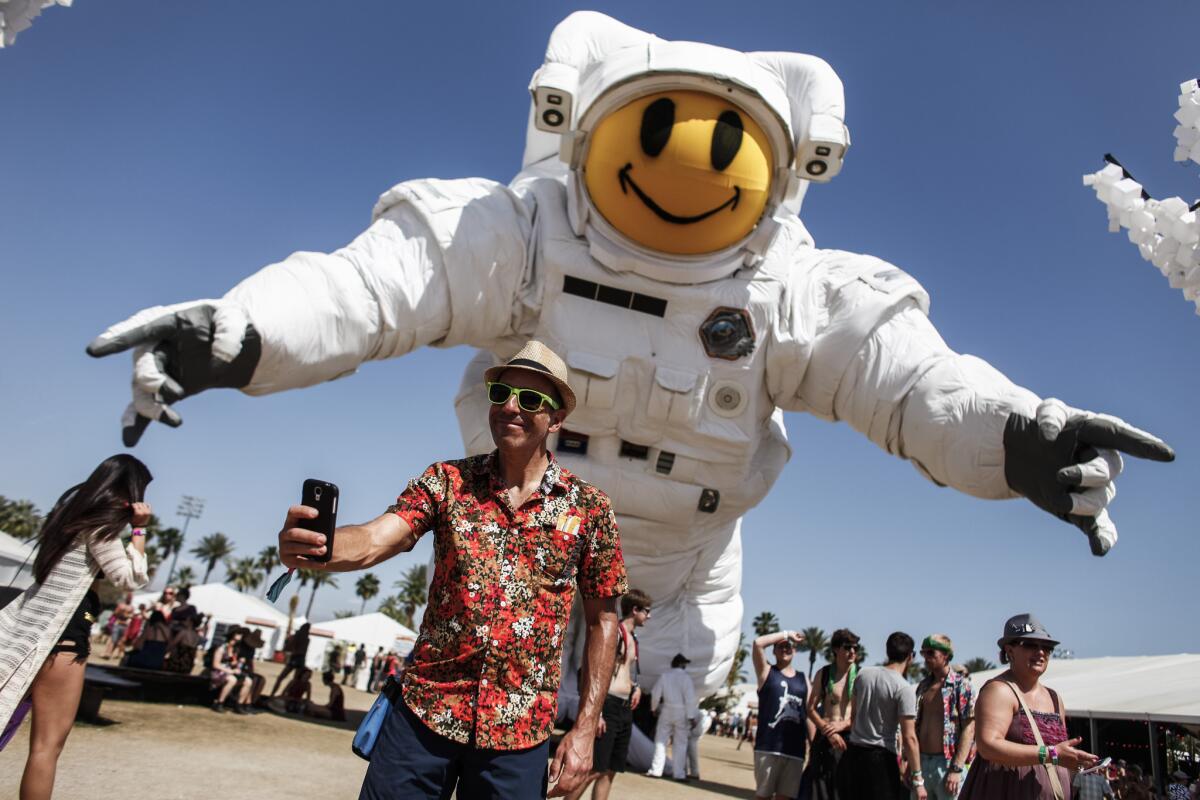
<point x="1029" y="644"/>
<point x="530" y="400"/>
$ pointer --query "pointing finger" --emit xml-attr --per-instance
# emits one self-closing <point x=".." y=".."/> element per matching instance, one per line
<point x="1105" y="431"/>
<point x="1102" y="469"/>
<point x="144" y="327"/>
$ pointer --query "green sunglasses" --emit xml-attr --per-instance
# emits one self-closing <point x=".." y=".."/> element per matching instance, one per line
<point x="528" y="399"/>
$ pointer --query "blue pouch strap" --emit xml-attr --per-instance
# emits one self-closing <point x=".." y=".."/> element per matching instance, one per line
<point x="368" y="730"/>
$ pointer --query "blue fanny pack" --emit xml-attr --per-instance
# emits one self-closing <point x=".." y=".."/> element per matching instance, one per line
<point x="368" y="730"/>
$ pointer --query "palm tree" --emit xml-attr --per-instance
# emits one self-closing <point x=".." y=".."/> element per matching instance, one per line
<point x="412" y="591"/>
<point x="978" y="665"/>
<point x="765" y="623"/>
<point x="243" y="574"/>
<point x="268" y="557"/>
<point x="185" y="576"/>
<point x="344" y="613"/>
<point x="293" y="604"/>
<point x="154" y="557"/>
<point x="170" y="542"/>
<point x="392" y="607"/>
<point x="815" y="642"/>
<point x="366" y="587"/>
<point x="20" y="518"/>
<point x="317" y="578"/>
<point x="212" y="548"/>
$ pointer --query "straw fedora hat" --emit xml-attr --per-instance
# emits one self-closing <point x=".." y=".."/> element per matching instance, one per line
<point x="536" y="357"/>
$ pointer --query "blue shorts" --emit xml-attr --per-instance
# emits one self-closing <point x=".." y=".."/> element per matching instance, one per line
<point x="411" y="761"/>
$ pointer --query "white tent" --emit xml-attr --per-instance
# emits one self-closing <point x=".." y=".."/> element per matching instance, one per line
<point x="231" y="607"/>
<point x="1145" y="688"/>
<point x="14" y="553"/>
<point x="375" y="630"/>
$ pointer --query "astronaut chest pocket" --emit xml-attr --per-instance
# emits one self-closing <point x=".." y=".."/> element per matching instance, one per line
<point x="555" y="550"/>
<point x="674" y="396"/>
<point x="594" y="378"/>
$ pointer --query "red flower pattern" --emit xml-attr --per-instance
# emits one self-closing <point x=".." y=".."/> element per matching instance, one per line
<point x="486" y="664"/>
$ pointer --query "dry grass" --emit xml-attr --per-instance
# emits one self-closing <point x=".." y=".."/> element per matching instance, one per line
<point x="164" y="752"/>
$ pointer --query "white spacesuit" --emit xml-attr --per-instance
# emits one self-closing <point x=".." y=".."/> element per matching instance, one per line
<point x="1166" y="232"/>
<point x="652" y="239"/>
<point x="18" y="15"/>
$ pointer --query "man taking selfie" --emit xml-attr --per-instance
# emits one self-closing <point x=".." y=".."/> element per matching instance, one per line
<point x="514" y="534"/>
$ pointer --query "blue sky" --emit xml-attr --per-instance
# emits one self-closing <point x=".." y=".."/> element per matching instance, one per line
<point x="159" y="152"/>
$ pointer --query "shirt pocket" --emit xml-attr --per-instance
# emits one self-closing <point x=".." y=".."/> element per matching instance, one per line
<point x="556" y="551"/>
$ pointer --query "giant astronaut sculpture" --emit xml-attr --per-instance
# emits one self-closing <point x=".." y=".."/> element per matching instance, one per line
<point x="652" y="238"/>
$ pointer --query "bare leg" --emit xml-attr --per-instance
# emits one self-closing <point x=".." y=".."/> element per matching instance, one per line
<point x="230" y="682"/>
<point x="55" y="693"/>
<point x="603" y="786"/>
<point x="286" y="669"/>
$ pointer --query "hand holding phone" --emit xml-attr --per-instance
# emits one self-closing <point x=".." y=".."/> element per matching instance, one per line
<point x="1101" y="765"/>
<point x="323" y="496"/>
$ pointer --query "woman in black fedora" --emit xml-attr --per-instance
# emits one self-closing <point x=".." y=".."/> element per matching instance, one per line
<point x="1021" y="725"/>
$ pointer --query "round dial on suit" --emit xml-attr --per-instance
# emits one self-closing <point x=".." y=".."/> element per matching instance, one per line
<point x="680" y="172"/>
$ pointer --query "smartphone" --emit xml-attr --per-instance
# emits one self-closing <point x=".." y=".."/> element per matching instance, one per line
<point x="1102" y="765"/>
<point x="323" y="496"/>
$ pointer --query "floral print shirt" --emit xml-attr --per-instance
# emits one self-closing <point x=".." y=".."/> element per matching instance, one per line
<point x="486" y="664"/>
<point x="958" y="708"/>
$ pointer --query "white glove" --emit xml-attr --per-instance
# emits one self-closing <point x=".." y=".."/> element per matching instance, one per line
<point x="179" y="351"/>
<point x="1073" y="449"/>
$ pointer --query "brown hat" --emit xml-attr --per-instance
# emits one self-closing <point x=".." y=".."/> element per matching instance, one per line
<point x="536" y="357"/>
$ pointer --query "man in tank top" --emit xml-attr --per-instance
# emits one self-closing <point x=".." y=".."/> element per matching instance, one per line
<point x="782" y="736"/>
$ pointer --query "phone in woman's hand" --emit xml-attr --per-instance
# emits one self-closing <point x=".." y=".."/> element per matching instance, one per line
<point x="1099" y="766"/>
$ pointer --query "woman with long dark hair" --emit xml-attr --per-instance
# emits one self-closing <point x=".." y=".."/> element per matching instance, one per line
<point x="45" y="633"/>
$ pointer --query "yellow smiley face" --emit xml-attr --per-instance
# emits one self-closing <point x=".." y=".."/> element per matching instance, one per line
<point x="680" y="172"/>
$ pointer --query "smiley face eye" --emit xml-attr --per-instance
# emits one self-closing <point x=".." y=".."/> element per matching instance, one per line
<point x="727" y="139"/>
<point x="657" y="120"/>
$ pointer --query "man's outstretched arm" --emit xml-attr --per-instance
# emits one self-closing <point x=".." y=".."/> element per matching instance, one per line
<point x="354" y="546"/>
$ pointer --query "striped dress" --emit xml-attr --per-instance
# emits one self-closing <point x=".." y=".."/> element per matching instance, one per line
<point x="33" y="623"/>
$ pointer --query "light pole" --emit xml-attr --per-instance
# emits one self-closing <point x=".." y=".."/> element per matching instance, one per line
<point x="190" y="508"/>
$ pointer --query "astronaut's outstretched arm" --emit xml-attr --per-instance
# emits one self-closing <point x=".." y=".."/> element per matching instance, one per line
<point x="441" y="264"/>
<point x="876" y="361"/>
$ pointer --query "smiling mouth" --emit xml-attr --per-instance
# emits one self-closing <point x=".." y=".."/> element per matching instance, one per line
<point x="663" y="214"/>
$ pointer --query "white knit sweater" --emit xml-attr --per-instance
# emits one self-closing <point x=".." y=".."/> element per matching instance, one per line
<point x="33" y="623"/>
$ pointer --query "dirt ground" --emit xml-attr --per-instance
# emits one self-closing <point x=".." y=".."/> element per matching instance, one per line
<point x="151" y="751"/>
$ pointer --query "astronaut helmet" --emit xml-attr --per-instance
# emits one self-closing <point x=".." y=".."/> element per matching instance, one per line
<point x="683" y="157"/>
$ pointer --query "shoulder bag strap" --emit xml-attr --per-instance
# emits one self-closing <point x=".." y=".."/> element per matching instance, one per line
<point x="1051" y="770"/>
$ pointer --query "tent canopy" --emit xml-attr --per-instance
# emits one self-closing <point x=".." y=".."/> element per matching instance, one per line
<point x="231" y="607"/>
<point x="374" y="630"/>
<point x="13" y="549"/>
<point x="16" y="562"/>
<point x="1157" y="688"/>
